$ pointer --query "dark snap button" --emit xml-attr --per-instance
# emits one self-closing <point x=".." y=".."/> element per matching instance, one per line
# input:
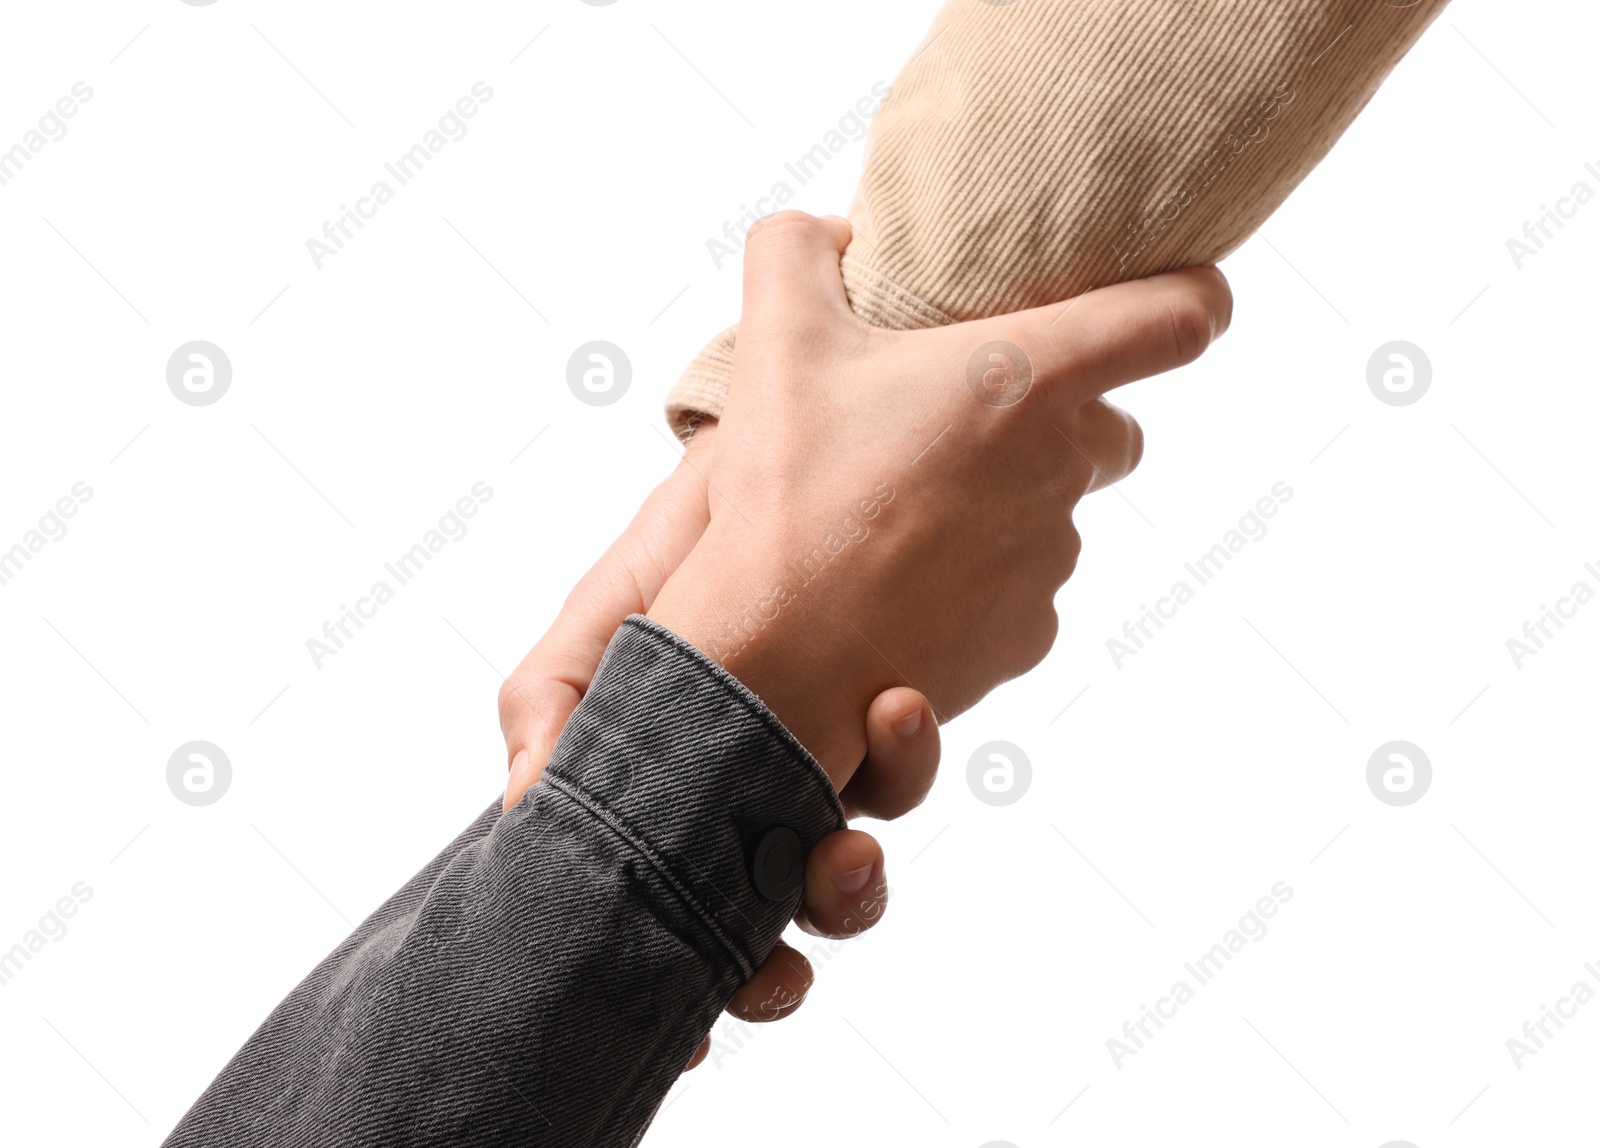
<point x="779" y="865"/>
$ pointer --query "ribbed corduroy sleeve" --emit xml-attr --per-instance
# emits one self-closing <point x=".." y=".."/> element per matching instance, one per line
<point x="544" y="980"/>
<point x="1035" y="149"/>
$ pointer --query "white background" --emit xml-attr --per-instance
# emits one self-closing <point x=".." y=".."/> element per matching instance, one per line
<point x="1226" y="756"/>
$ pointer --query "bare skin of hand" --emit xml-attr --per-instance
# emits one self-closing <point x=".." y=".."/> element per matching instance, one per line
<point x="952" y="567"/>
<point x="892" y="507"/>
<point x="883" y="764"/>
<point x="845" y="889"/>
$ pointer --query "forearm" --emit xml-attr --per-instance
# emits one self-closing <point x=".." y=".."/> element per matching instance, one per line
<point x="1034" y="150"/>
<point x="545" y="978"/>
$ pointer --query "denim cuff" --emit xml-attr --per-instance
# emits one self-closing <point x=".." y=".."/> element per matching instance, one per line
<point x="675" y="756"/>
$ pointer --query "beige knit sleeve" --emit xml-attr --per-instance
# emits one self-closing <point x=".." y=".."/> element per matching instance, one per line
<point x="1034" y="149"/>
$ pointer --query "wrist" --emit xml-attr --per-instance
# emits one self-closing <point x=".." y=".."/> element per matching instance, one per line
<point x="729" y="605"/>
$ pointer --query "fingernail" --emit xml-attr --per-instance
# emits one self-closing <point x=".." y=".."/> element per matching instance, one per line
<point x="853" y="881"/>
<point x="910" y="724"/>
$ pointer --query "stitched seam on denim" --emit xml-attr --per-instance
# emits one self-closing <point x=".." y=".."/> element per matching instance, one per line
<point x="757" y="709"/>
<point x="642" y="846"/>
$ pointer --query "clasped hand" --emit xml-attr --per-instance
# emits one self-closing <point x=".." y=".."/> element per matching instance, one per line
<point x="872" y="537"/>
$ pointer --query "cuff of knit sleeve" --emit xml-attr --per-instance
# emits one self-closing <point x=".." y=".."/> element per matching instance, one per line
<point x="675" y="756"/>
<point x="702" y="389"/>
<point x="881" y="302"/>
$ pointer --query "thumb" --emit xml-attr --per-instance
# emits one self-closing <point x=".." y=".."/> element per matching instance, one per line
<point x="1105" y="338"/>
<point x="544" y="689"/>
<point x="791" y="269"/>
<point x="538" y="698"/>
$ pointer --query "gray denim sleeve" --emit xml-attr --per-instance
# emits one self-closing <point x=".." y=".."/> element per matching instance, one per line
<point x="544" y="980"/>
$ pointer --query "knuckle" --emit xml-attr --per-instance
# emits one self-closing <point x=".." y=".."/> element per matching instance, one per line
<point x="910" y="797"/>
<point x="511" y="703"/>
<point x="782" y="222"/>
<point x="524" y="701"/>
<point x="779" y="234"/>
<point x="1190" y="323"/>
<point x="1040" y="637"/>
<point x="1071" y="550"/>
<point x="1036" y="639"/>
<point x="1135" y="444"/>
<point x="1217" y="289"/>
